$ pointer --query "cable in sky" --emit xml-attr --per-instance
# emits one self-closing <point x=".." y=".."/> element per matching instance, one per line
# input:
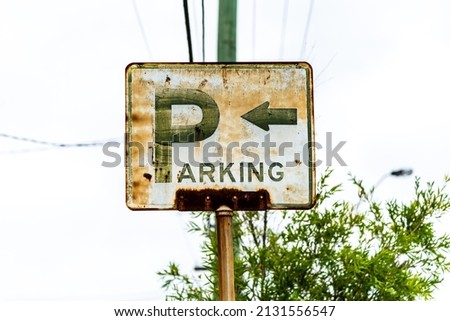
<point x="316" y="78"/>
<point x="141" y="27"/>
<point x="203" y="30"/>
<point x="253" y="29"/>
<point x="283" y="29"/>
<point x="55" y="144"/>
<point x="188" y="29"/>
<point x="25" y="150"/>
<point x="305" y="35"/>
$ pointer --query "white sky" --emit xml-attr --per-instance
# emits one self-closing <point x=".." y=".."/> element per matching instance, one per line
<point x="381" y="76"/>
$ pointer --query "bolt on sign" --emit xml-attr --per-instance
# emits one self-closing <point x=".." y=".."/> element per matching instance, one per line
<point x="199" y="136"/>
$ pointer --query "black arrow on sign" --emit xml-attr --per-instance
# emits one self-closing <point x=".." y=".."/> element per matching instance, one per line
<point x="262" y="116"/>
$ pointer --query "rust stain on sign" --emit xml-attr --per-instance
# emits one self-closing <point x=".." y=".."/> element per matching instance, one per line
<point x="211" y="199"/>
<point x="241" y="129"/>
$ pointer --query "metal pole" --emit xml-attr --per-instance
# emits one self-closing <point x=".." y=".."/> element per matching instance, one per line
<point x="226" y="42"/>
<point x="226" y="52"/>
<point x="224" y="218"/>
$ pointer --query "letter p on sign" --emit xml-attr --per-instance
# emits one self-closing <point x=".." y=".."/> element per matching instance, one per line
<point x="166" y="133"/>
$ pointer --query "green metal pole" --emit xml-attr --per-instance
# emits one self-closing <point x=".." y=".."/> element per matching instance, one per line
<point x="226" y="42"/>
<point x="226" y="52"/>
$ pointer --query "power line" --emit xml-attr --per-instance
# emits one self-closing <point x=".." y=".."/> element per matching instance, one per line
<point x="253" y="29"/>
<point x="305" y="35"/>
<point x="203" y="30"/>
<point x="50" y="145"/>
<point x="188" y="29"/>
<point x="25" y="150"/>
<point x="283" y="28"/>
<point x="195" y="17"/>
<point x="141" y="27"/>
<point x="325" y="68"/>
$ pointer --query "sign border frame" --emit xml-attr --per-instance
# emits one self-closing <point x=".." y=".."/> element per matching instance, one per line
<point x="232" y="65"/>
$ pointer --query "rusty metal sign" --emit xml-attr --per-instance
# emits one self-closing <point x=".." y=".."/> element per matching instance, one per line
<point x="199" y="136"/>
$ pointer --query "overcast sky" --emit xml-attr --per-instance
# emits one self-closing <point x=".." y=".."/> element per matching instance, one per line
<point x="381" y="73"/>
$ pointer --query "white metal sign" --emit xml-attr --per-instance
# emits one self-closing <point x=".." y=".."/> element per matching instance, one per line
<point x="203" y="135"/>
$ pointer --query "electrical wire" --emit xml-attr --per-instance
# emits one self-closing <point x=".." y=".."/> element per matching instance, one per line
<point x="141" y="27"/>
<point x="25" y="150"/>
<point x="203" y="30"/>
<point x="196" y="28"/>
<point x="188" y="29"/>
<point x="283" y="28"/>
<point x="305" y="35"/>
<point x="253" y="29"/>
<point x="325" y="68"/>
<point x="50" y="145"/>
